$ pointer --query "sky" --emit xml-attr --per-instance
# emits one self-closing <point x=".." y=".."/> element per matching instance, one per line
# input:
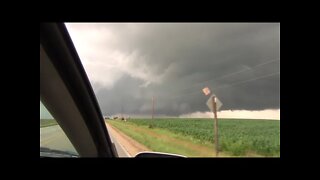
<point x="129" y="63"/>
<point x="44" y="113"/>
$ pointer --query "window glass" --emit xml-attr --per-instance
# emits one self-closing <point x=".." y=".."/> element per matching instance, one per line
<point x="52" y="137"/>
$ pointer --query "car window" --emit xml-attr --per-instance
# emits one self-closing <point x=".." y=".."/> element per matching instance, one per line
<point x="195" y="89"/>
<point x="52" y="137"/>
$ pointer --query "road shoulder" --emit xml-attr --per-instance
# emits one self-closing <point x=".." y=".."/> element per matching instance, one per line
<point x="130" y="145"/>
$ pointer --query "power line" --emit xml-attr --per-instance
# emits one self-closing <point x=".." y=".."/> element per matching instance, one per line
<point x="232" y="74"/>
<point x="253" y="79"/>
<point x="233" y="84"/>
<point x="244" y="70"/>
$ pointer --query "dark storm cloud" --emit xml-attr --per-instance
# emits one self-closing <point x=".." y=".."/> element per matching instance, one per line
<point x="178" y="60"/>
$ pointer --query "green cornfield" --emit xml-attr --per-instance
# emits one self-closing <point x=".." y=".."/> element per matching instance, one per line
<point x="236" y="136"/>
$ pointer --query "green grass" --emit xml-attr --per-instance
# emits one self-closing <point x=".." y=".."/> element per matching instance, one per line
<point x="47" y="122"/>
<point x="162" y="140"/>
<point x="238" y="137"/>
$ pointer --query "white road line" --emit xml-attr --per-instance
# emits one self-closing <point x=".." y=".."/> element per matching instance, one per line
<point x="124" y="149"/>
<point x="118" y="143"/>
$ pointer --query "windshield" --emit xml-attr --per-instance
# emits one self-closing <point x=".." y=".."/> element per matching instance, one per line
<point x="195" y="89"/>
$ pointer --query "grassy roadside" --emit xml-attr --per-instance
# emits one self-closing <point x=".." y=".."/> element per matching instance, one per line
<point x="163" y="140"/>
<point x="47" y="122"/>
<point x="238" y="137"/>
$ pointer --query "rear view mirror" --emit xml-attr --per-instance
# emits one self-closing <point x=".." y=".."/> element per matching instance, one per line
<point x="148" y="154"/>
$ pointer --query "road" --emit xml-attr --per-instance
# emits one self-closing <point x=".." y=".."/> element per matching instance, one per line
<point x="129" y="145"/>
<point x="53" y="137"/>
<point x="122" y="152"/>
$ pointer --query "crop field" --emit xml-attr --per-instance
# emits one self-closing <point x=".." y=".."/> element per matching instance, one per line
<point x="237" y="137"/>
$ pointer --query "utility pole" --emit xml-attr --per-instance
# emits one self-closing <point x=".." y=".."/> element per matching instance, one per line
<point x="152" y="107"/>
<point x="121" y="116"/>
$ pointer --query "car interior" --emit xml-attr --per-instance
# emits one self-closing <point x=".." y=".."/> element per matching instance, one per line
<point x="66" y="92"/>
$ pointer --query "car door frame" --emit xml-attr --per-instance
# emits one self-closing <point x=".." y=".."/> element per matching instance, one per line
<point x="60" y="54"/>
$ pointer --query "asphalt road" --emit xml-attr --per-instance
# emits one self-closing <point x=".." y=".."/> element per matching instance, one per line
<point x="53" y="137"/>
<point x="120" y="149"/>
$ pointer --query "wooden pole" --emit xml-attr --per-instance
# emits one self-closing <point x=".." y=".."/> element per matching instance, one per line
<point x="215" y="125"/>
<point x="121" y="116"/>
<point x="152" y="106"/>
